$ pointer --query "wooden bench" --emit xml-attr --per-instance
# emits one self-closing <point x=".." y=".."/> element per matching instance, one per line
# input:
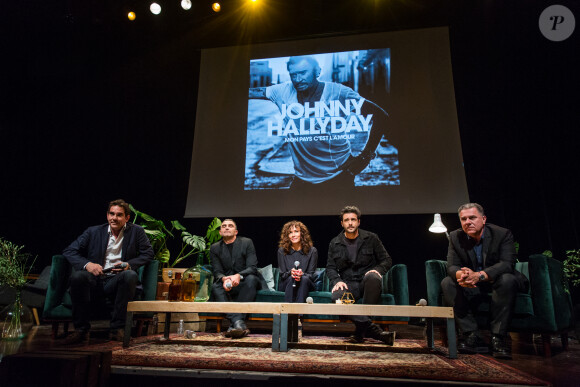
<point x="285" y="316"/>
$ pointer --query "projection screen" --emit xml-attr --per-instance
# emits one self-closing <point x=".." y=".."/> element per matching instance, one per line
<point x="306" y="127"/>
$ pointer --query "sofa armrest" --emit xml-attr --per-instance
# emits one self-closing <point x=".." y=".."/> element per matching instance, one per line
<point x="435" y="271"/>
<point x="148" y="275"/>
<point x="551" y="302"/>
<point x="396" y="283"/>
<point x="58" y="284"/>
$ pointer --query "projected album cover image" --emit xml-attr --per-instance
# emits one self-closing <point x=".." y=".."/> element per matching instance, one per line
<point x="312" y="119"/>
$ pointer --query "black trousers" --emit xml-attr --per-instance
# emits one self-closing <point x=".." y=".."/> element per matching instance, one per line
<point x="87" y="291"/>
<point x="369" y="289"/>
<point x="465" y="302"/>
<point x="244" y="292"/>
<point x="296" y="293"/>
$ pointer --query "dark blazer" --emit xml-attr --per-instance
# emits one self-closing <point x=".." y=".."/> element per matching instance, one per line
<point x="242" y="261"/>
<point x="498" y="252"/>
<point x="92" y="244"/>
<point x="308" y="263"/>
<point x="371" y="254"/>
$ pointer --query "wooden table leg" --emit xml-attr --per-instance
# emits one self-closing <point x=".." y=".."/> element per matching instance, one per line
<point x="451" y="338"/>
<point x="276" y="333"/>
<point x="429" y="328"/>
<point x="128" y="326"/>
<point x="284" y="332"/>
<point x="167" y="325"/>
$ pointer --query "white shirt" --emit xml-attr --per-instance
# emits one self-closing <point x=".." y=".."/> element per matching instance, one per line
<point x="114" y="252"/>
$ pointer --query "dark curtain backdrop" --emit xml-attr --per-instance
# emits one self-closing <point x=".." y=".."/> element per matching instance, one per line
<point x="93" y="109"/>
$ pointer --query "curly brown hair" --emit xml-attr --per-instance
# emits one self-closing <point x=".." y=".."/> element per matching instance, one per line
<point x="305" y="239"/>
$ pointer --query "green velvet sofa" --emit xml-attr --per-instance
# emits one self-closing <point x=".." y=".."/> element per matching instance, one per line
<point x="545" y="309"/>
<point x="395" y="292"/>
<point x="58" y="305"/>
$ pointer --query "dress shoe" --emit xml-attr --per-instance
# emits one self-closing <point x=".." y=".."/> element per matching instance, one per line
<point x="77" y="337"/>
<point x="117" y="334"/>
<point x="377" y="333"/>
<point x="471" y="343"/>
<point x="500" y="348"/>
<point x="237" y="330"/>
<point x="359" y="333"/>
<point x="355" y="339"/>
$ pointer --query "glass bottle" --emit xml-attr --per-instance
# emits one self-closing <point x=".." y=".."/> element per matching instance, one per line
<point x="204" y="279"/>
<point x="188" y="287"/>
<point x="175" y="288"/>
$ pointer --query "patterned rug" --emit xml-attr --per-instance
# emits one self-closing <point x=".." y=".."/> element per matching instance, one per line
<point x="407" y="359"/>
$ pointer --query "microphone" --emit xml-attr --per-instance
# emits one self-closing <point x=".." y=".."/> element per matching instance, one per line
<point x="296" y="264"/>
<point x="121" y="266"/>
<point x="229" y="284"/>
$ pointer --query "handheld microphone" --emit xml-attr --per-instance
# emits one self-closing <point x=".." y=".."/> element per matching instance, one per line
<point x="296" y="264"/>
<point x="229" y="284"/>
<point x="121" y="266"/>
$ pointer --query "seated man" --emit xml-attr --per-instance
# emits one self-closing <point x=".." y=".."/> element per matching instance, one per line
<point x="480" y="260"/>
<point x="357" y="261"/>
<point x="104" y="260"/>
<point x="235" y="271"/>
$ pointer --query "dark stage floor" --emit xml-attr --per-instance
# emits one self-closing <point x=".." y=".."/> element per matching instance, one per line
<point x="562" y="369"/>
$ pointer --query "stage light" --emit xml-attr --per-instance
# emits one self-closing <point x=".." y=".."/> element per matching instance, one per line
<point x="155" y="8"/>
<point x="186" y="4"/>
<point x="216" y="7"/>
<point x="131" y="15"/>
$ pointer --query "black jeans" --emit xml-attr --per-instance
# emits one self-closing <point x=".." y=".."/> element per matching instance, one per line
<point x="369" y="289"/>
<point x="297" y="293"/>
<point x="87" y="290"/>
<point x="465" y="302"/>
<point x="244" y="292"/>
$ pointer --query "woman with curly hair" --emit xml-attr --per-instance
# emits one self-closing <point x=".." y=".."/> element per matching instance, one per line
<point x="297" y="260"/>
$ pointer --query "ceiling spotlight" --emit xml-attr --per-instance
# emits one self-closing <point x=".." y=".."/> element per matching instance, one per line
<point x="216" y="7"/>
<point x="186" y="4"/>
<point x="155" y="8"/>
<point x="131" y="15"/>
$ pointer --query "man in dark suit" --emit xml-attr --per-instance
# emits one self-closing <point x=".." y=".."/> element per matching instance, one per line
<point x="104" y="260"/>
<point x="480" y="260"/>
<point x="235" y="271"/>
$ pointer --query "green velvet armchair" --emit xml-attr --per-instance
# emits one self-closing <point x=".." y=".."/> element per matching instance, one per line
<point x="546" y="309"/>
<point x="58" y="305"/>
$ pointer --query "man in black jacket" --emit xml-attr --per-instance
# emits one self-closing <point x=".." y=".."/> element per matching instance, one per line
<point x="235" y="270"/>
<point x="480" y="260"/>
<point x="357" y="261"/>
<point x="105" y="259"/>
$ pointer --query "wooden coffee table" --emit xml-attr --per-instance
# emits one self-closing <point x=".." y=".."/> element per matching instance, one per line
<point x="285" y="316"/>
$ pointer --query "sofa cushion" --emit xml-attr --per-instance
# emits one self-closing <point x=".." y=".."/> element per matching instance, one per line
<point x="267" y="275"/>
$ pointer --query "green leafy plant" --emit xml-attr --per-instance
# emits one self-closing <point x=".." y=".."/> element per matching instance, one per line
<point x="14" y="266"/>
<point x="159" y="235"/>
<point x="572" y="266"/>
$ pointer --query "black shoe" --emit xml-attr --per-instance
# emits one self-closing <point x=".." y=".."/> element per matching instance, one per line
<point x="376" y="332"/>
<point x="471" y="343"/>
<point x="500" y="348"/>
<point x="117" y="334"/>
<point x="77" y="337"/>
<point x="237" y="330"/>
<point x="355" y="339"/>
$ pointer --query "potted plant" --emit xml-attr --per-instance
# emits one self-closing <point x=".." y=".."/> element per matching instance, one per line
<point x="159" y="235"/>
<point x="16" y="318"/>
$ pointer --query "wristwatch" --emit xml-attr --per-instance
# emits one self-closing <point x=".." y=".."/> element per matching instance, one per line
<point x="481" y="276"/>
<point x="241" y="277"/>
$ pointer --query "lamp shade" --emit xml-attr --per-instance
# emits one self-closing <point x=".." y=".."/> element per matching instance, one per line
<point x="437" y="226"/>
